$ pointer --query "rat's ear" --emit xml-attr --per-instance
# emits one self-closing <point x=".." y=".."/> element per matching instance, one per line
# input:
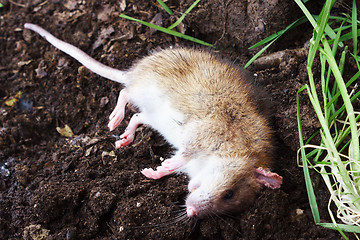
<point x="268" y="178"/>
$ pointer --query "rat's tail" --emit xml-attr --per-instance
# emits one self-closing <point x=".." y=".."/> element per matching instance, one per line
<point x="82" y="57"/>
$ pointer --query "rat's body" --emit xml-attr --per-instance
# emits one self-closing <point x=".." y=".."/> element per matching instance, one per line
<point x="207" y="110"/>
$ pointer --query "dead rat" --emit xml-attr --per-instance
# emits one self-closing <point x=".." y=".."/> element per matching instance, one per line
<point x="207" y="109"/>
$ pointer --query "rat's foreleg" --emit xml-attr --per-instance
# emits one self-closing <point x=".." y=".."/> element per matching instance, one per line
<point x="167" y="167"/>
<point x="128" y="136"/>
<point x="119" y="112"/>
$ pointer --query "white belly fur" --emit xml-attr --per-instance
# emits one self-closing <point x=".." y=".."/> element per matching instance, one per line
<point x="158" y="113"/>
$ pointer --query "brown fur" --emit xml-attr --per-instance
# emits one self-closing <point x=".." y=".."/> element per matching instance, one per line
<point x="226" y="104"/>
<point x="205" y="87"/>
<point x="221" y="116"/>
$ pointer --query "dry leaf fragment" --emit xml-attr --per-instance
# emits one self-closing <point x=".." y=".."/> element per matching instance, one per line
<point x="122" y="5"/>
<point x="65" y="131"/>
<point x="35" y="232"/>
<point x="110" y="154"/>
<point x="88" y="151"/>
<point x="105" y="13"/>
<point x="11" y="101"/>
<point x="70" y="5"/>
<point x="22" y="63"/>
<point x="104" y="34"/>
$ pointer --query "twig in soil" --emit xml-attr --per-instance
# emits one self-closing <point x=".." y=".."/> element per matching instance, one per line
<point x="276" y="58"/>
<point x="18" y="4"/>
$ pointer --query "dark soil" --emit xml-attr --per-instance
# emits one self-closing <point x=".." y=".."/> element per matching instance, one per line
<point x="81" y="187"/>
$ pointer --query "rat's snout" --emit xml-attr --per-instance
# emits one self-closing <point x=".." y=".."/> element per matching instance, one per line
<point x="192" y="203"/>
<point x="197" y="203"/>
<point x="191" y="211"/>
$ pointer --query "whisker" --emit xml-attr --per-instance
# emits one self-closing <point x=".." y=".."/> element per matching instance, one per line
<point x="231" y="216"/>
<point x="177" y="220"/>
<point x="195" y="222"/>
<point x="180" y="218"/>
<point x="178" y="211"/>
<point x="227" y="223"/>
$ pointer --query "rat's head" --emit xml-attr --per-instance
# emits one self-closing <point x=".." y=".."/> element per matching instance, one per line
<point x="226" y="187"/>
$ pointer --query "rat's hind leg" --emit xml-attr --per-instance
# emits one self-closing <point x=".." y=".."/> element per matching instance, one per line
<point x="167" y="167"/>
<point x="128" y="136"/>
<point x="119" y="112"/>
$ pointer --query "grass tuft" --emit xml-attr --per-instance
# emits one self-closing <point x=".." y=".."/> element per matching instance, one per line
<point x="337" y="158"/>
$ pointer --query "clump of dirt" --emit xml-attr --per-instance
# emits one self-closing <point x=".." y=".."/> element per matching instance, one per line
<point x="80" y="187"/>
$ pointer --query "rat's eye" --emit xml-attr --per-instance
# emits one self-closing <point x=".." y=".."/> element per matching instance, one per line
<point x="229" y="195"/>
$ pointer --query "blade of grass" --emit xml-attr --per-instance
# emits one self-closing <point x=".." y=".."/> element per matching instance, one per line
<point x="354" y="26"/>
<point x="341" y="109"/>
<point x="275" y="36"/>
<point x="334" y="49"/>
<point x="259" y="53"/>
<point x="166" y="8"/>
<point x="357" y="59"/>
<point x="309" y="188"/>
<point x="184" y="15"/>
<point x="280" y="33"/>
<point x="337" y="94"/>
<point x="306" y="13"/>
<point x="168" y="31"/>
<point x="343" y="226"/>
<point x="347" y="102"/>
<point x="346" y="37"/>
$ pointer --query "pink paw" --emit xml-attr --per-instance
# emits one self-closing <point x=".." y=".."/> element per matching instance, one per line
<point x="159" y="173"/>
<point x="115" y="118"/>
<point x="118" y="114"/>
<point x="167" y="167"/>
<point x="126" y="138"/>
<point x="171" y="164"/>
<point x="123" y="142"/>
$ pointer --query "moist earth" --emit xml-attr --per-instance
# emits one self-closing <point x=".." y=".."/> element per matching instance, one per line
<point x="60" y="175"/>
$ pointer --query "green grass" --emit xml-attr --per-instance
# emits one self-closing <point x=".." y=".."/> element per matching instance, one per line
<point x="337" y="157"/>
<point x="271" y="39"/>
<point x="169" y="30"/>
<point x="165" y="7"/>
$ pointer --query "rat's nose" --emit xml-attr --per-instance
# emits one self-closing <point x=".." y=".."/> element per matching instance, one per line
<point x="191" y="211"/>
